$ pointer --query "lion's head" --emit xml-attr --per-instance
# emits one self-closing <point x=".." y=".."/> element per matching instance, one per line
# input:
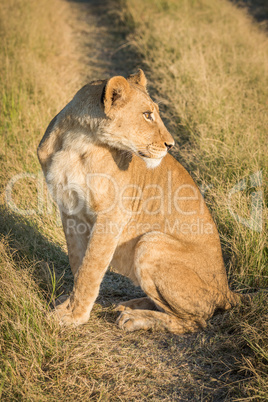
<point x="132" y="119"/>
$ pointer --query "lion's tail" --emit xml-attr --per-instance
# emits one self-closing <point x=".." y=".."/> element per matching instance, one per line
<point x="235" y="299"/>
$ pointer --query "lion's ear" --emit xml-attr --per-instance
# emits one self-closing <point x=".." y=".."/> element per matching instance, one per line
<point x="138" y="78"/>
<point x="115" y="93"/>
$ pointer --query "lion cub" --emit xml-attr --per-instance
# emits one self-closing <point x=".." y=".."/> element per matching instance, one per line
<point x="125" y="201"/>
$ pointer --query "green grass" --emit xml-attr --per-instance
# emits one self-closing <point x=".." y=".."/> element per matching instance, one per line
<point x="207" y="66"/>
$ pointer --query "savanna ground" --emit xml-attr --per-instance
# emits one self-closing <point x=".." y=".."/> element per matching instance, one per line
<point x="207" y="64"/>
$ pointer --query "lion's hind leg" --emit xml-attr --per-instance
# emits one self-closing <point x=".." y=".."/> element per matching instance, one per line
<point x="133" y="320"/>
<point x="183" y="299"/>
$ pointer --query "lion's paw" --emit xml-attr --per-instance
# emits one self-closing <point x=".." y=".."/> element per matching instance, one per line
<point x="65" y="314"/>
<point x="130" y="321"/>
<point x="121" y="307"/>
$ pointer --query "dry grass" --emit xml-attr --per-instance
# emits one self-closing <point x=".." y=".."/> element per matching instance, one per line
<point x="208" y="62"/>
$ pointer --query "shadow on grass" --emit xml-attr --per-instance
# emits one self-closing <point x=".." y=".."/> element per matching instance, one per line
<point x="29" y="245"/>
<point x="257" y="8"/>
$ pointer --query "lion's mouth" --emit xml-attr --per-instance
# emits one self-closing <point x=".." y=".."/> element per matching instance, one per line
<point x="143" y="155"/>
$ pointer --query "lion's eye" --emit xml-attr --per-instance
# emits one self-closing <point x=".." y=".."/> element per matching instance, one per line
<point x="148" y="115"/>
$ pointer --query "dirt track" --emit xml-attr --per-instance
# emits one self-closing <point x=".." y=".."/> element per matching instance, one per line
<point x="105" y="50"/>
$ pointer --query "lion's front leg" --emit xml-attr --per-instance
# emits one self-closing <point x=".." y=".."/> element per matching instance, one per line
<point x="77" y="234"/>
<point x="101" y="247"/>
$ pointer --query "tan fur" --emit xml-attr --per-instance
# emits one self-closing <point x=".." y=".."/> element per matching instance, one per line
<point x="124" y="201"/>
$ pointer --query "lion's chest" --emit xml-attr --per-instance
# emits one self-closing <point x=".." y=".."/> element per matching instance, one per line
<point x="67" y="182"/>
<point x="82" y="184"/>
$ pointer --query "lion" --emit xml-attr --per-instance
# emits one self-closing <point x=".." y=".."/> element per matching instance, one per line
<point x="126" y="202"/>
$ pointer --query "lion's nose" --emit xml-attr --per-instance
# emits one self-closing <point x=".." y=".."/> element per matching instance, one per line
<point x="169" y="145"/>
